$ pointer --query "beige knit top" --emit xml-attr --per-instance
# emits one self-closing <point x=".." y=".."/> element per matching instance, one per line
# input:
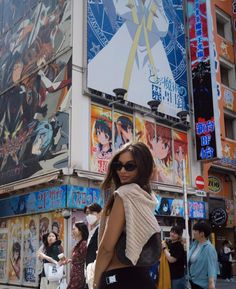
<point x="141" y="223"/>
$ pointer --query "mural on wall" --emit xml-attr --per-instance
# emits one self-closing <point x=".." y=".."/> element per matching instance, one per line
<point x="34" y="87"/>
<point x="150" y="63"/>
<point x="101" y="138"/>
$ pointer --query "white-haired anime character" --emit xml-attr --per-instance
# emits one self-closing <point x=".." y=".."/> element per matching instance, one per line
<point x="136" y="55"/>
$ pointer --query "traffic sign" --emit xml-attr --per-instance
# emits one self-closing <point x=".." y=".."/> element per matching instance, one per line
<point x="199" y="182"/>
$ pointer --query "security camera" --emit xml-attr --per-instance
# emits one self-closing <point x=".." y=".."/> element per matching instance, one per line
<point x="66" y="213"/>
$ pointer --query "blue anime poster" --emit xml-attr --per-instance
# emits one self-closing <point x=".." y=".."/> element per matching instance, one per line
<point x="140" y="46"/>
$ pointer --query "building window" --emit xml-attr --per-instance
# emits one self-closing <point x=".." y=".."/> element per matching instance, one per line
<point x="227" y="74"/>
<point x="224" y="25"/>
<point x="230" y="126"/>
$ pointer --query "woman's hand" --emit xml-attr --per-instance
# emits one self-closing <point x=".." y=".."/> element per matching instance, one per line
<point x="163" y="244"/>
<point x="64" y="262"/>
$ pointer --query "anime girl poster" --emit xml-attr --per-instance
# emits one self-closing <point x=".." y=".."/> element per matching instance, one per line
<point x="124" y="129"/>
<point x="101" y="138"/>
<point x="139" y="128"/>
<point x="58" y="224"/>
<point x="30" y="247"/>
<point x="44" y="226"/>
<point x="150" y="63"/>
<point x="15" y="250"/>
<point x="180" y="156"/>
<point x="3" y="249"/>
<point x="158" y="139"/>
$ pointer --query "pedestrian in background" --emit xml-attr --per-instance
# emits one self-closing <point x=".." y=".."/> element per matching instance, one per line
<point x="52" y="248"/>
<point x="77" y="278"/>
<point x="129" y="209"/>
<point x="202" y="262"/>
<point x="176" y="257"/>
<point x="93" y="215"/>
<point x="226" y="259"/>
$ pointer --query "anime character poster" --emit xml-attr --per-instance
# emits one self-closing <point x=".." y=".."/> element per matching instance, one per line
<point x="140" y="128"/>
<point x="30" y="247"/>
<point x="58" y="224"/>
<point x="162" y="152"/>
<point x="140" y="46"/>
<point x="44" y="226"/>
<point x="124" y="129"/>
<point x="15" y="250"/>
<point x="177" y="208"/>
<point x="180" y="156"/>
<point x="197" y="210"/>
<point x="35" y="87"/>
<point x="3" y="249"/>
<point x="101" y="138"/>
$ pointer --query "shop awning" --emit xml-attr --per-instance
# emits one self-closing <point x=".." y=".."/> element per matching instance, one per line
<point x="34" y="181"/>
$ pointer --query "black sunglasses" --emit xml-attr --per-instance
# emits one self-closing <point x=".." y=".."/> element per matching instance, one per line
<point x="129" y="166"/>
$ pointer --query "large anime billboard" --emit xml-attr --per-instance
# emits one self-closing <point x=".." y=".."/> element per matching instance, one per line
<point x="35" y="81"/>
<point x="140" y="46"/>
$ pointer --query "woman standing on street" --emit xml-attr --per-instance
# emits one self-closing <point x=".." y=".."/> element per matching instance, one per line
<point x="52" y="248"/>
<point x="203" y="264"/>
<point x="130" y="209"/>
<point x="176" y="258"/>
<point x="77" y="278"/>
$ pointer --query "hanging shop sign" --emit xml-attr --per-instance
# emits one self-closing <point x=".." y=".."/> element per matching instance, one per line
<point x="203" y="82"/>
<point x="218" y="217"/>
<point x="79" y="197"/>
<point x="36" y="202"/>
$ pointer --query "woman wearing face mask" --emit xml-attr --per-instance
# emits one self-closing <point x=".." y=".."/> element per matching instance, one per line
<point x="92" y="212"/>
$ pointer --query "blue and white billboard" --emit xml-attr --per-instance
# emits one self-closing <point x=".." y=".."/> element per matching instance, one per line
<point x="140" y="46"/>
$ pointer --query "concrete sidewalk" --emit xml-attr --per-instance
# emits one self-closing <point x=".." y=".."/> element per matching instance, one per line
<point x="223" y="284"/>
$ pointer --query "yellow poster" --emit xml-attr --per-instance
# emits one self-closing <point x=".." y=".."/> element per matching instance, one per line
<point x="101" y="138"/>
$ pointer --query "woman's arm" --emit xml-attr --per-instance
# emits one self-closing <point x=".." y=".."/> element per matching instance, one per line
<point x="113" y="230"/>
<point x="167" y="253"/>
<point x="43" y="256"/>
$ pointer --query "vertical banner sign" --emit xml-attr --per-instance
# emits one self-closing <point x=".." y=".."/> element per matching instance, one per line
<point x="205" y="128"/>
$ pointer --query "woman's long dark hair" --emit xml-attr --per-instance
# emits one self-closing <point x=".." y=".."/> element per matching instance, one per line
<point x="145" y="165"/>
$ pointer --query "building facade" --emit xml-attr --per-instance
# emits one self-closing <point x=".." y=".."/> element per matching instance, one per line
<point x="60" y="121"/>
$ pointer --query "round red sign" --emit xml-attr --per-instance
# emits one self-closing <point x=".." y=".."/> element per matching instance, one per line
<point x="199" y="182"/>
